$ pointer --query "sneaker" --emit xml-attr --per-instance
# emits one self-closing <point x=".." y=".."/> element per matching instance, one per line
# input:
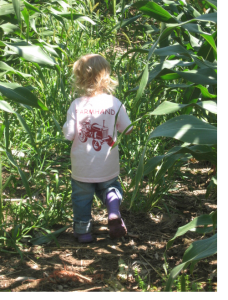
<point x="84" y="238"/>
<point x="116" y="225"/>
<point x="117" y="228"/>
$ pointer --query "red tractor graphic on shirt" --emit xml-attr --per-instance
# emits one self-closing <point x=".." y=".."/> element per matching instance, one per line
<point x="98" y="133"/>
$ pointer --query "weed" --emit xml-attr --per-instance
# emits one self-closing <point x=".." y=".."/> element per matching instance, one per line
<point x="141" y="282"/>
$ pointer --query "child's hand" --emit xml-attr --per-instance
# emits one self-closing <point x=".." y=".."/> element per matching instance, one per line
<point x="129" y="131"/>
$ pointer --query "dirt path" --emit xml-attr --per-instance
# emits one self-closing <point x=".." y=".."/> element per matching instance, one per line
<point x="141" y="250"/>
<point x="96" y="266"/>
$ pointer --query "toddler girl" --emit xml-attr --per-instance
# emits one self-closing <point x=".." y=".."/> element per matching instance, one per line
<point x="92" y="124"/>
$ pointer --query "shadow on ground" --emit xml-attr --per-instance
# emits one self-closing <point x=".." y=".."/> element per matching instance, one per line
<point x="97" y="266"/>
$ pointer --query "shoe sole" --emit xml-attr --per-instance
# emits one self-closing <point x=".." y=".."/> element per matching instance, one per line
<point x="85" y="239"/>
<point x="117" y="228"/>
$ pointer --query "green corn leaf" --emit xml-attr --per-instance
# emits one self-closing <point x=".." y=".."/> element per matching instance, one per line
<point x="178" y="86"/>
<point x="170" y="76"/>
<point x="173" y="274"/>
<point x="213" y="3"/>
<point x="15" y="92"/>
<point x="57" y="126"/>
<point x="9" y="28"/>
<point x="205" y="76"/>
<point x="7" y="68"/>
<point x="155" y="11"/>
<point x="201" y="249"/>
<point x="26" y="18"/>
<point x="203" y="230"/>
<point x="200" y="76"/>
<point x="147" y="28"/>
<point x="139" y="174"/>
<point x="212" y="65"/>
<point x="199" y="152"/>
<point x="17" y="9"/>
<point x="142" y="85"/>
<point x="168" y="107"/>
<point x="205" y="92"/>
<point x="194" y="28"/>
<point x="33" y="25"/>
<point x="33" y="54"/>
<point x="79" y="17"/>
<point x="6" y="123"/>
<point x="2" y="127"/>
<point x="175" y="49"/>
<point x="152" y="49"/>
<point x="124" y="23"/>
<point x="165" y="33"/>
<point x="187" y="128"/>
<point x="6" y="9"/>
<point x="64" y="5"/>
<point x="202" y="220"/>
<point x="145" y="75"/>
<point x="193" y="267"/>
<point x="23" y="177"/>
<point x="190" y="95"/>
<point x="49" y="237"/>
<point x="157" y="70"/>
<point x="51" y="50"/>
<point x="133" y="51"/>
<point x="152" y="164"/>
<point x="39" y="70"/>
<point x="32" y="7"/>
<point x="209" y="49"/>
<point x="167" y="164"/>
<point x="209" y="105"/>
<point x="197" y="250"/>
<point x="55" y="14"/>
<point x="210" y="40"/>
<point x="14" y="244"/>
<point x="26" y="128"/>
<point x="6" y="107"/>
<point x="212" y="17"/>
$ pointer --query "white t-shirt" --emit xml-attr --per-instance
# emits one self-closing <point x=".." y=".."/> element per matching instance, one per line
<point x="91" y="125"/>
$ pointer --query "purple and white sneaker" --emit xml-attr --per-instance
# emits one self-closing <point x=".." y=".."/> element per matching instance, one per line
<point x="84" y="238"/>
<point x="116" y="224"/>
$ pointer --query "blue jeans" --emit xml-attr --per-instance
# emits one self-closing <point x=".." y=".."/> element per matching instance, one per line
<point x="82" y="199"/>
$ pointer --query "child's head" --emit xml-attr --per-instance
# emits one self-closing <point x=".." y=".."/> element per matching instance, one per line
<point x="92" y="75"/>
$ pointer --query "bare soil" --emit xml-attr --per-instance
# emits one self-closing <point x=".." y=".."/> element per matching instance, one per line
<point x="96" y="266"/>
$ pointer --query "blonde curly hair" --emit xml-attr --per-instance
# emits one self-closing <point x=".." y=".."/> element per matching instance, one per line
<point x="92" y="75"/>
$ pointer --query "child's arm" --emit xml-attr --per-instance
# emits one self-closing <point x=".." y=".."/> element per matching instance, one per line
<point x="69" y="126"/>
<point x="123" y="121"/>
<point x="129" y="131"/>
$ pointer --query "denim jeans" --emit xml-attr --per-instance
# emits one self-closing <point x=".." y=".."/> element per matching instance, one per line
<point x="82" y="198"/>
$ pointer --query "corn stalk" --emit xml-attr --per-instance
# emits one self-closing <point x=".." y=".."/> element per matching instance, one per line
<point x="114" y="7"/>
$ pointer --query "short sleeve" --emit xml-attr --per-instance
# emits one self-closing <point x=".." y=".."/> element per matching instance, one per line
<point x="123" y="120"/>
